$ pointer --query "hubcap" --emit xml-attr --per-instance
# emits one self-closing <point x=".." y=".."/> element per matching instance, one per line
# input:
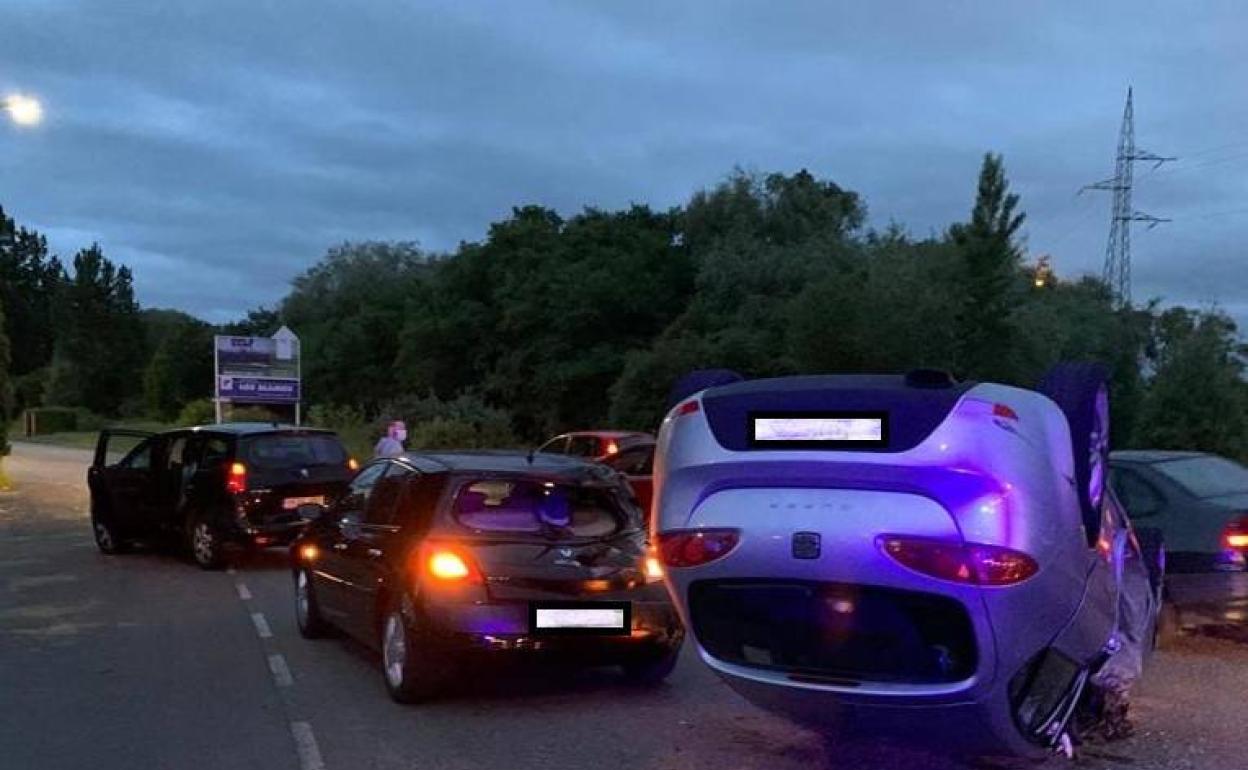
<point x="301" y="597"/>
<point x="1098" y="447"/>
<point x="103" y="536"/>
<point x="394" y="651"/>
<point x="201" y="541"/>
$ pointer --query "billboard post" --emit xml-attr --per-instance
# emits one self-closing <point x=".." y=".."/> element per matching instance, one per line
<point x="258" y="370"/>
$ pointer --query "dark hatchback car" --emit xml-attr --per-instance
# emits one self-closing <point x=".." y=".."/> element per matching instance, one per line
<point x="439" y="560"/>
<point x="215" y="486"/>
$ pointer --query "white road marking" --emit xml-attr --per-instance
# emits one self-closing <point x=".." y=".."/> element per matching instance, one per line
<point x="305" y="744"/>
<point x="281" y="672"/>
<point x="244" y="593"/>
<point x="262" y="625"/>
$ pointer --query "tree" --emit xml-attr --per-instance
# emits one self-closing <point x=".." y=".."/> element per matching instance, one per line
<point x="4" y="394"/>
<point x="29" y="282"/>
<point x="180" y="368"/>
<point x="1197" y="398"/>
<point x="990" y="274"/>
<point x="349" y="311"/>
<point x="99" y="337"/>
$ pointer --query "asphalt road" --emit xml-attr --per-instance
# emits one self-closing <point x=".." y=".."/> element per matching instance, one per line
<point x="143" y="661"/>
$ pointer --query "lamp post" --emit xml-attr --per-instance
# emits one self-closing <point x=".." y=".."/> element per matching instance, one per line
<point x="23" y="110"/>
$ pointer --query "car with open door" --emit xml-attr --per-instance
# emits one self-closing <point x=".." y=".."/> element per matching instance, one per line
<point x="215" y="487"/>
<point x="907" y="556"/>
<point x="445" y="559"/>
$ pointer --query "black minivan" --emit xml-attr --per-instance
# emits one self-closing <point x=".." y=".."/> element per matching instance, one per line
<point x="235" y="484"/>
<point x="444" y="558"/>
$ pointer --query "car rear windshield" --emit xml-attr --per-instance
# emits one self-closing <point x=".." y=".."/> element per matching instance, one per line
<point x="293" y="450"/>
<point x="1207" y="476"/>
<point x="527" y="506"/>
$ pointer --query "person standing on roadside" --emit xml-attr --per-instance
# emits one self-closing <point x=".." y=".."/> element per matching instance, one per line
<point x="391" y="444"/>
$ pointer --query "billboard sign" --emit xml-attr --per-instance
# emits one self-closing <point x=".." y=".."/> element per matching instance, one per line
<point x="258" y="370"/>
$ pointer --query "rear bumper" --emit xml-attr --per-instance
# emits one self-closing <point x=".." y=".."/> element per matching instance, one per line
<point x="503" y="628"/>
<point x="247" y="534"/>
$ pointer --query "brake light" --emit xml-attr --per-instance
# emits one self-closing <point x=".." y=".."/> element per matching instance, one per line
<point x="689" y="407"/>
<point x="695" y="547"/>
<point x="309" y="552"/>
<point x="1003" y="411"/>
<point x="353" y="464"/>
<point x="970" y="563"/>
<point x="236" y="479"/>
<point x="652" y="567"/>
<point x="612" y="447"/>
<point x="1236" y="535"/>
<point x="444" y="564"/>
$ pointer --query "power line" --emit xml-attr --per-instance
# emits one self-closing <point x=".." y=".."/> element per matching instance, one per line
<point x="1117" y="270"/>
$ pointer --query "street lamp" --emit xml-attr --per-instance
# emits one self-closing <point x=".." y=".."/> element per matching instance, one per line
<point x="23" y="110"/>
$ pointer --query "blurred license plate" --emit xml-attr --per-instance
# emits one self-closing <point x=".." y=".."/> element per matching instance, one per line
<point x="291" y="503"/>
<point x="580" y="617"/>
<point x="829" y="430"/>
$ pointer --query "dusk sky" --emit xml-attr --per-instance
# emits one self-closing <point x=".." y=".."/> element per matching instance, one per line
<point x="219" y="148"/>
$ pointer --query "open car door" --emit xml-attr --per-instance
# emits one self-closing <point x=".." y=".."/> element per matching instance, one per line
<point x="122" y="478"/>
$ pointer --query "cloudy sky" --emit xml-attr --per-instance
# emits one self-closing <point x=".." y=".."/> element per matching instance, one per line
<point x="220" y="147"/>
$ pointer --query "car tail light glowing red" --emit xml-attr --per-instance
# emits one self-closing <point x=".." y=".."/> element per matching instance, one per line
<point x="447" y="564"/>
<point x="612" y="448"/>
<point x="970" y="563"/>
<point x="1003" y="411"/>
<point x="1235" y="537"/>
<point x="689" y="407"/>
<point x="236" y="479"/>
<point x="694" y="547"/>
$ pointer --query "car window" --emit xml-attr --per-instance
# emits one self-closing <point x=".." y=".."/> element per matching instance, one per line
<point x="140" y="458"/>
<point x="215" y="452"/>
<point x="1206" y="476"/>
<point x="1136" y="495"/>
<point x="536" y="507"/>
<point x="583" y="446"/>
<point x="387" y="494"/>
<point x="362" y="485"/>
<point x="178" y="453"/>
<point x="278" y="451"/>
<point x="557" y="445"/>
<point x="638" y="461"/>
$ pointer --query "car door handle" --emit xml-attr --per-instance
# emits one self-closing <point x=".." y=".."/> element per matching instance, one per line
<point x="340" y="546"/>
<point x="374" y="552"/>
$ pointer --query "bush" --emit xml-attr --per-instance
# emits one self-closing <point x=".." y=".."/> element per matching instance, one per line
<point x="201" y="411"/>
<point x="252" y="414"/>
<point x="28" y="389"/>
<point x="466" y="422"/>
<point x="336" y="417"/>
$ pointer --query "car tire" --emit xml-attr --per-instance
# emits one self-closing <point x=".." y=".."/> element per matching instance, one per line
<point x="106" y="536"/>
<point x="651" y="671"/>
<point x="205" y="543"/>
<point x="412" y="673"/>
<point x="1081" y="390"/>
<point x="308" y="616"/>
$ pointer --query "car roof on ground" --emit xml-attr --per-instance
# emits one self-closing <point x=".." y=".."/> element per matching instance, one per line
<point x="247" y="428"/>
<point x="1152" y="455"/>
<point x="506" y="461"/>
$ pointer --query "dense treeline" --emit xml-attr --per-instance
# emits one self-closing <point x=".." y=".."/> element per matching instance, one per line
<point x="552" y="323"/>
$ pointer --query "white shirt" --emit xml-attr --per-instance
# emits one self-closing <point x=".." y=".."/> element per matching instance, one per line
<point x="388" y="447"/>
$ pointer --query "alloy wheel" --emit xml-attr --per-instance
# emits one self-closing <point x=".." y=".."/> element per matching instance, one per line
<point x="202" y="542"/>
<point x="394" y="650"/>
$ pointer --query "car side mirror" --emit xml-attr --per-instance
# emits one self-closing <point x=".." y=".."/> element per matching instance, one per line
<point x="311" y="511"/>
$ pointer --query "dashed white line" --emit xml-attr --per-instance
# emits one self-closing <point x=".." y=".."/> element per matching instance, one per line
<point x="281" y="672"/>
<point x="244" y="592"/>
<point x="305" y="744"/>
<point x="262" y="625"/>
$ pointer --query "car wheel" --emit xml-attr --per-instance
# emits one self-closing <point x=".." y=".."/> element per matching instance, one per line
<point x="205" y="543"/>
<point x="307" y="610"/>
<point x="412" y="672"/>
<point x="652" y="670"/>
<point x="106" y="537"/>
<point x="1082" y="392"/>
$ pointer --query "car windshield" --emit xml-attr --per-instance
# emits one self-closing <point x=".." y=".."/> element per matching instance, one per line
<point x="1207" y="476"/>
<point x="528" y="506"/>
<point x="278" y="451"/>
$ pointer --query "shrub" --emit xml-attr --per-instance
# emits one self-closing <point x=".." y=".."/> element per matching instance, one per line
<point x="51" y="419"/>
<point x="466" y="422"/>
<point x="201" y="411"/>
